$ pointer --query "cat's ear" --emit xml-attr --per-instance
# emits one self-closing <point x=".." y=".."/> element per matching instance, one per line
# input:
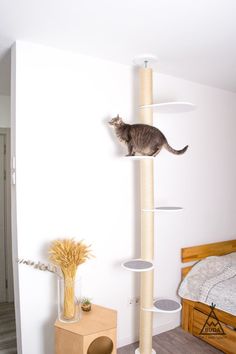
<point x="119" y="119"/>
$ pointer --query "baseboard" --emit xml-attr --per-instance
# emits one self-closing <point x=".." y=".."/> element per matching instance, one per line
<point x="160" y="329"/>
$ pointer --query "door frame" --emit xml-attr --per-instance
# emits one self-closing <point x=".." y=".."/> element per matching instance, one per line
<point x="7" y="216"/>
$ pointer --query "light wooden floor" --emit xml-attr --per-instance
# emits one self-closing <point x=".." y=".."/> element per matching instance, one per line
<point x="7" y="329"/>
<point x="175" y="341"/>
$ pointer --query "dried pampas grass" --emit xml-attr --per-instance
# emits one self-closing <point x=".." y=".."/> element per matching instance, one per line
<point x="40" y="266"/>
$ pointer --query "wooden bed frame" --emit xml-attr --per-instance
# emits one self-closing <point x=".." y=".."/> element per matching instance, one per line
<point x="195" y="314"/>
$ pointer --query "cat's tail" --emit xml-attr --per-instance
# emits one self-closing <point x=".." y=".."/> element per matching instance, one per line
<point x="176" y="152"/>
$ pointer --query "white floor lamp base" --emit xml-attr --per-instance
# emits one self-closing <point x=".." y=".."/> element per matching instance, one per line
<point x="138" y="352"/>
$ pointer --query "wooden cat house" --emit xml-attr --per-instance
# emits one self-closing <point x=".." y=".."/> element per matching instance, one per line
<point x="95" y="333"/>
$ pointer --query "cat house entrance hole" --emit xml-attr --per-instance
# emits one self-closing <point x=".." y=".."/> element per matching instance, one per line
<point x="101" y="345"/>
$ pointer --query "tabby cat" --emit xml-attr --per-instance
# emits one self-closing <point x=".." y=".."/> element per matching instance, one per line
<point x="143" y="139"/>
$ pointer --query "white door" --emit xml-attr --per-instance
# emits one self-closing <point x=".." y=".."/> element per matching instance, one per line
<point x="3" y="293"/>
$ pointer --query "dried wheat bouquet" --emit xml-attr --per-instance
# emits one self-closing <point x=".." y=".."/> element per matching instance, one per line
<point x="68" y="255"/>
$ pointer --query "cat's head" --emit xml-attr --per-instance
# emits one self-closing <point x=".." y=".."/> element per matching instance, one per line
<point x="116" y="122"/>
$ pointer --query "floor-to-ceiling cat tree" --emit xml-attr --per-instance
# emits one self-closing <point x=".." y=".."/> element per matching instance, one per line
<point x="144" y="265"/>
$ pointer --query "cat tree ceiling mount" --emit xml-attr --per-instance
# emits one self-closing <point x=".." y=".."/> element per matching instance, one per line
<point x="145" y="265"/>
<point x="145" y="60"/>
<point x="149" y="60"/>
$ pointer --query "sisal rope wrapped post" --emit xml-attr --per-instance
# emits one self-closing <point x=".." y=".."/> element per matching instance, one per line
<point x="147" y="218"/>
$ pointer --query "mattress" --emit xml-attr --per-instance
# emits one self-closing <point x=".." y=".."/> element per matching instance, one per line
<point x="212" y="280"/>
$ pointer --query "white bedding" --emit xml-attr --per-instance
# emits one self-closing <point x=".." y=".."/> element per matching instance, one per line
<point x="212" y="280"/>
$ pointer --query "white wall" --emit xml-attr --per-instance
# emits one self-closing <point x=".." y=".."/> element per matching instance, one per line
<point x="72" y="183"/>
<point x="5" y="116"/>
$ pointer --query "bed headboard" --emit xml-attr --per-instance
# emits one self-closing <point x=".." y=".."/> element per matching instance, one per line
<point x="196" y="253"/>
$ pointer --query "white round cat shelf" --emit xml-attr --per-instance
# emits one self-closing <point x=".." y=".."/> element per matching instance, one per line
<point x="138" y="265"/>
<point x="145" y="265"/>
<point x="170" y="107"/>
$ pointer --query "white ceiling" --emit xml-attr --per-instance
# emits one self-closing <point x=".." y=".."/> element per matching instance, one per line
<point x="193" y="39"/>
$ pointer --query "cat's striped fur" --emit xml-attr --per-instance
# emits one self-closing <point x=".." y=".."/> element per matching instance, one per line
<point x="143" y="139"/>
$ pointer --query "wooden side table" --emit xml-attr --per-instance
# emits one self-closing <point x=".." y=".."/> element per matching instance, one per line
<point x="95" y="333"/>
